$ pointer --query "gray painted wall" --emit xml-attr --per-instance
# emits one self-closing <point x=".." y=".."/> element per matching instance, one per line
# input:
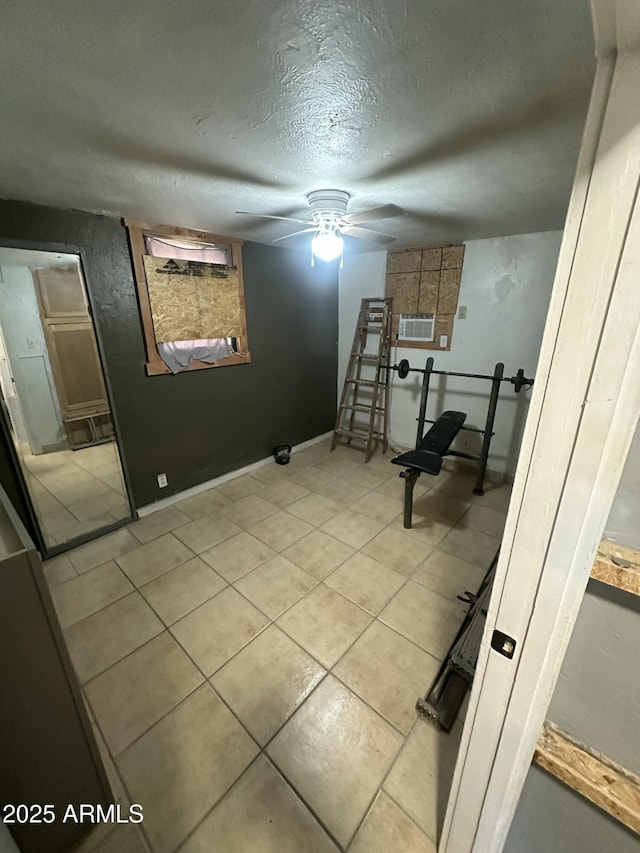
<point x="200" y="425"/>
<point x="596" y="700"/>
<point x="624" y="519"/>
<point x="506" y="287"/>
<point x="597" y="696"/>
<point x="552" y="818"/>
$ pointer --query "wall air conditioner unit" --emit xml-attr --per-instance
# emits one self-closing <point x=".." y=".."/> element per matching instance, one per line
<point x="417" y="327"/>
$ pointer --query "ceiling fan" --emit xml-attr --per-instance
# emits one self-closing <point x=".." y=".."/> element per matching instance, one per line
<point x="330" y="222"/>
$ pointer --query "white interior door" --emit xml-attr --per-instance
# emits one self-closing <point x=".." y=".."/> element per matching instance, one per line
<point x="583" y="412"/>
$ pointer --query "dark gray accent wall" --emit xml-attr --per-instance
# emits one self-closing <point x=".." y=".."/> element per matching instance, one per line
<point x="552" y="818"/>
<point x="199" y="425"/>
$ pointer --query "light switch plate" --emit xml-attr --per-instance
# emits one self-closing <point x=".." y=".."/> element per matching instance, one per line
<point x="443" y="341"/>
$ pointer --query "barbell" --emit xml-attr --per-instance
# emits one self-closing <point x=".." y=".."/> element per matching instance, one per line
<point x="403" y="369"/>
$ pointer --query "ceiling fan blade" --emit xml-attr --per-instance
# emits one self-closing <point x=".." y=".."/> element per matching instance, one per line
<point x="295" y="234"/>
<point x="269" y="216"/>
<point x="387" y="211"/>
<point x="367" y="234"/>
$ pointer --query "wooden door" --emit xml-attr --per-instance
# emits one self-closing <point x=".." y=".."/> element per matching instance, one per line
<point x="72" y="347"/>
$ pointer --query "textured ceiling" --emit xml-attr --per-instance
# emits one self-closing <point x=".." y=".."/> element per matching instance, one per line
<point x="466" y="114"/>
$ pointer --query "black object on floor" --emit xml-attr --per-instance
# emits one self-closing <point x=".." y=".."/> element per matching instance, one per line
<point x="444" y="698"/>
<point x="282" y="453"/>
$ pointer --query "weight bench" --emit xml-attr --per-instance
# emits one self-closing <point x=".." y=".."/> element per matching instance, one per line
<point x="427" y="457"/>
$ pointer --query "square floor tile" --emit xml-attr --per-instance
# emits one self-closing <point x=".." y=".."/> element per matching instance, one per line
<point x="475" y="547"/>
<point x="155" y="558"/>
<point x="280" y="530"/>
<point x="393" y="488"/>
<point x="154" y="525"/>
<point x="397" y="550"/>
<point x="325" y="624"/>
<point x="316" y="509"/>
<point x="100" y="640"/>
<point x="370" y="477"/>
<point x="387" y="829"/>
<point x="250" y="510"/>
<point x="335" y="751"/>
<point x="82" y="492"/>
<point x="378" y="506"/>
<point x="234" y="557"/>
<point x="448" y="575"/>
<point x="496" y="495"/>
<point x="102" y="550"/>
<point x="86" y="594"/>
<point x="218" y="629"/>
<point x="486" y="519"/>
<point x="58" y="569"/>
<point x="427" y="529"/>
<point x="440" y="504"/>
<point x="183" y="765"/>
<point x="209" y="502"/>
<point x="239" y="487"/>
<point x="97" y="505"/>
<point x="272" y="473"/>
<point x="181" y="590"/>
<point x="275" y="585"/>
<point x="266" y="681"/>
<point x="456" y="482"/>
<point x="353" y="528"/>
<point x="283" y="492"/>
<point x="260" y="814"/>
<point x="420" y="779"/>
<point x="342" y="492"/>
<point x="312" y="477"/>
<point x="318" y="553"/>
<point x="389" y="673"/>
<point x="205" y="532"/>
<point x="139" y="690"/>
<point x="426" y="618"/>
<point x="366" y="582"/>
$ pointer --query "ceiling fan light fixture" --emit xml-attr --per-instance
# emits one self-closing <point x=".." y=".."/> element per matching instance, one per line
<point x="327" y="244"/>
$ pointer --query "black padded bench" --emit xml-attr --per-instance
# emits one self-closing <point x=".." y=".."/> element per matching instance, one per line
<point x="427" y="457"/>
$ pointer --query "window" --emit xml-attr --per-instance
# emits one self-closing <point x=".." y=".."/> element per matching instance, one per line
<point x="191" y="297"/>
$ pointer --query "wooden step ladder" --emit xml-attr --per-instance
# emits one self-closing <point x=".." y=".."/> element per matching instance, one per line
<point x="366" y="384"/>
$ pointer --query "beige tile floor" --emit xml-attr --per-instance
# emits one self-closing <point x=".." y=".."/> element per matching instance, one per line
<point x="251" y="657"/>
<point x="75" y="491"/>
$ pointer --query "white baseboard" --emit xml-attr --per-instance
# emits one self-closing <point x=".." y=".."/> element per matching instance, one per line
<point x="209" y="484"/>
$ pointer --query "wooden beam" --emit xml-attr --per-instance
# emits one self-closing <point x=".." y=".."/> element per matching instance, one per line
<point x="617" y="566"/>
<point x="591" y="774"/>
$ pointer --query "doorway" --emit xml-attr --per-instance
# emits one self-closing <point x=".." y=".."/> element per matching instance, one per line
<point x="55" y="402"/>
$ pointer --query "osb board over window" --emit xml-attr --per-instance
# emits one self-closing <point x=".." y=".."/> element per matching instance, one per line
<point x="191" y="300"/>
<point x="426" y="281"/>
<point x="137" y="231"/>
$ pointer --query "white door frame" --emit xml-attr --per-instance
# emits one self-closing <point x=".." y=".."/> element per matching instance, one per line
<point x="584" y="408"/>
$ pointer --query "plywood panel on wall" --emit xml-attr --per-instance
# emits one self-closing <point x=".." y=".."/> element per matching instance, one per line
<point x="426" y="281"/>
<point x="192" y="301"/>
<point x="404" y="287"/>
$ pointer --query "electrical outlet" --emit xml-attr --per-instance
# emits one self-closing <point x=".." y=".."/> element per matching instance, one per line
<point x="462" y="312"/>
<point x="443" y="341"/>
<point x="162" y="480"/>
<point x="466" y="444"/>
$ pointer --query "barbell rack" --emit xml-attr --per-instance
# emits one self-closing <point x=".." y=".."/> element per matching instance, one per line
<point x="519" y="381"/>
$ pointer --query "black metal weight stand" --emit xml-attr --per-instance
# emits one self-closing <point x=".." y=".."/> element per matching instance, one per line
<point x="519" y="381"/>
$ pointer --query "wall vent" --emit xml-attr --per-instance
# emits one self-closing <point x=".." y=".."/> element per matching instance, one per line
<point x="416" y="327"/>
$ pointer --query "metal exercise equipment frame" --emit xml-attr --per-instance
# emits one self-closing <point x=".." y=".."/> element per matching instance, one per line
<point x="410" y="476"/>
